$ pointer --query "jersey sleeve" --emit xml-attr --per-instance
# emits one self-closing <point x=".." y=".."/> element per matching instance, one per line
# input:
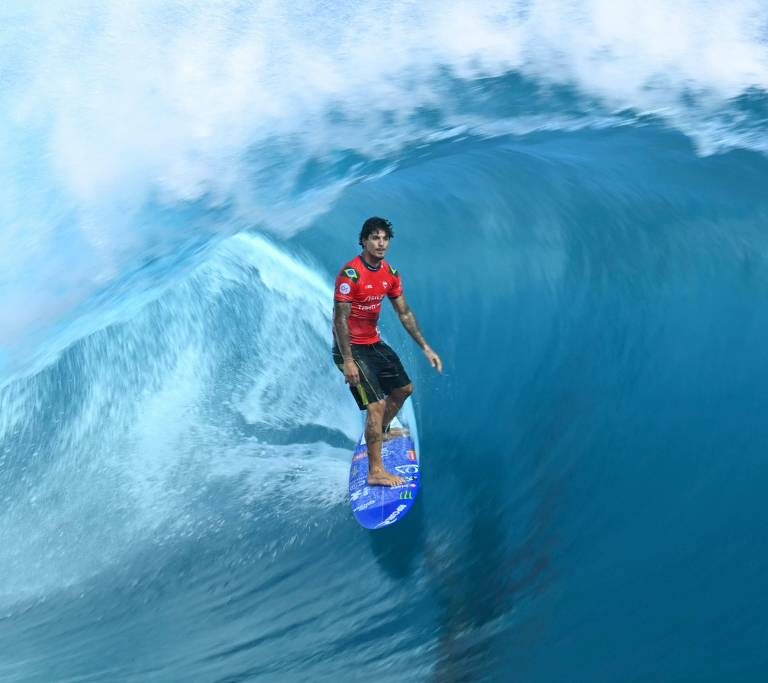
<point x="396" y="289"/>
<point x="346" y="285"/>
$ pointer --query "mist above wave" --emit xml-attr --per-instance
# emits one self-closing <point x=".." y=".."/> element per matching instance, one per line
<point x="133" y="129"/>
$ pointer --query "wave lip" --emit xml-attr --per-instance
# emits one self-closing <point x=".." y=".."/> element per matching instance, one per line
<point x="115" y="116"/>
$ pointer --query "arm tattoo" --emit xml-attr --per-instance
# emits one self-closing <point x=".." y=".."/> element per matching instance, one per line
<point x="409" y="323"/>
<point x="341" y="312"/>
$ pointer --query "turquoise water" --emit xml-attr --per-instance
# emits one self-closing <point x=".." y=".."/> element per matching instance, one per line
<point x="578" y="196"/>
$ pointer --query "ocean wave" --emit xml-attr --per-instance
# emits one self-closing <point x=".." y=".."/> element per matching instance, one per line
<point x="134" y="130"/>
<point x="224" y="378"/>
<point x="173" y="433"/>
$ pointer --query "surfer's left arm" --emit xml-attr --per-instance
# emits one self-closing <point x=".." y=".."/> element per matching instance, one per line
<point x="408" y="319"/>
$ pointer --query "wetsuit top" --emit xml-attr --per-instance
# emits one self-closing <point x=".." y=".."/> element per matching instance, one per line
<point x="365" y="288"/>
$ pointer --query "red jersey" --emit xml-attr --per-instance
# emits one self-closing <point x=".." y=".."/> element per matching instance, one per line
<point x="365" y="289"/>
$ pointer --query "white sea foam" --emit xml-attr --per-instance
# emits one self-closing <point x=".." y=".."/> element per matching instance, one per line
<point x="222" y="105"/>
<point x="116" y="448"/>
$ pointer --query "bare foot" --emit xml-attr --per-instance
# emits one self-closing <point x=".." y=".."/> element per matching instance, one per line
<point x="384" y="478"/>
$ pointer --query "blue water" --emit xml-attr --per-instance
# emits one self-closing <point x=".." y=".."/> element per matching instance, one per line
<point x="578" y="196"/>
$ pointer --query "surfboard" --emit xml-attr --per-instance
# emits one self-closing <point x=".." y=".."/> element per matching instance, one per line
<point x="375" y="507"/>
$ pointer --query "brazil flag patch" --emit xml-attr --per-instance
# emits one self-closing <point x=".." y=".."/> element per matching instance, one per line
<point x="352" y="274"/>
<point x="394" y="271"/>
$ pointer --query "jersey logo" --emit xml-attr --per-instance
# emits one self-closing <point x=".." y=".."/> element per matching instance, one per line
<point x="344" y="288"/>
<point x="394" y="271"/>
<point x="352" y="274"/>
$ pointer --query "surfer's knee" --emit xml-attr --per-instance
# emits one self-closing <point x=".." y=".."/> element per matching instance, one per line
<point x="403" y="392"/>
<point x="376" y="410"/>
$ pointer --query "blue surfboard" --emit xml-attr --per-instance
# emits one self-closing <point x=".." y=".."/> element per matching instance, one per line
<point x="375" y="507"/>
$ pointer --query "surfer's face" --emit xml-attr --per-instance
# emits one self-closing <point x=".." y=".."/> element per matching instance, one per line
<point x="376" y="244"/>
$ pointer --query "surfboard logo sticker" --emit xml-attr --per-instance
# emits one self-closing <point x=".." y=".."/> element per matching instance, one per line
<point x="392" y="517"/>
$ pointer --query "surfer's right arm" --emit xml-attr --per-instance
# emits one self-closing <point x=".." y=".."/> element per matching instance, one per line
<point x="341" y="311"/>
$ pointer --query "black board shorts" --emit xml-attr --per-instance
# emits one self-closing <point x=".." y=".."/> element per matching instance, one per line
<point x="381" y="372"/>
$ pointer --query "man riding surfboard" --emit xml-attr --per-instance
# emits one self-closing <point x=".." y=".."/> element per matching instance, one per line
<point x="372" y="369"/>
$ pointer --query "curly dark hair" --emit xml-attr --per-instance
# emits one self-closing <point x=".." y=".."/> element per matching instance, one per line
<point x="373" y="224"/>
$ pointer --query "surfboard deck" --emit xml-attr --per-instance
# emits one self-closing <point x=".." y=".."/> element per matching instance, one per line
<point x="375" y="507"/>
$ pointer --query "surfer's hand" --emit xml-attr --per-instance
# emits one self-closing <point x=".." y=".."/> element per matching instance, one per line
<point x="433" y="358"/>
<point x="351" y="374"/>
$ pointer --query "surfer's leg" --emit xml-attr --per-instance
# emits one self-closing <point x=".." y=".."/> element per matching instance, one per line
<point x="377" y="475"/>
<point x="394" y="381"/>
<point x="394" y="402"/>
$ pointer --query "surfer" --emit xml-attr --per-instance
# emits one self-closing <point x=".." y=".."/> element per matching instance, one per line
<point x="372" y="369"/>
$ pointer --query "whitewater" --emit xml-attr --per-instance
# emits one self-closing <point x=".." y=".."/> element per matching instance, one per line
<point x="578" y="192"/>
